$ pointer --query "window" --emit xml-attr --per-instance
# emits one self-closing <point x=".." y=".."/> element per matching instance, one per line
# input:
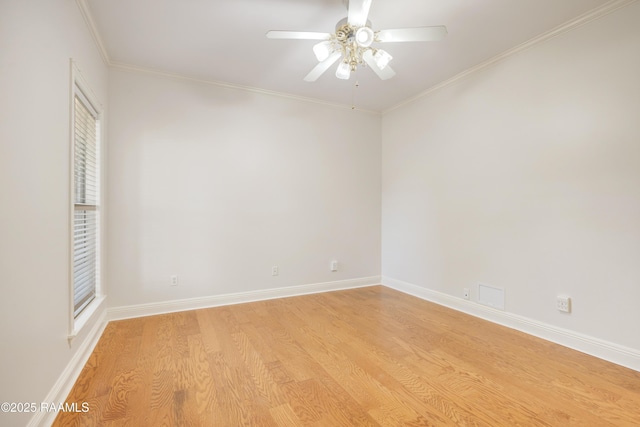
<point x="86" y="199"/>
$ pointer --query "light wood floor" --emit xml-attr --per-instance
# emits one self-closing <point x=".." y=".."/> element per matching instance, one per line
<point x="363" y="357"/>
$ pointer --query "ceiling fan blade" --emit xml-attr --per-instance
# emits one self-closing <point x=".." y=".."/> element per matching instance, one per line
<point x="385" y="73"/>
<point x="297" y="35"/>
<point x="323" y="66"/>
<point x="420" y="34"/>
<point x="358" y="12"/>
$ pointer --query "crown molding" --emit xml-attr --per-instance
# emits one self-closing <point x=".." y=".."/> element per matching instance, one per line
<point x="583" y="19"/>
<point x="93" y="29"/>
<point x="182" y="77"/>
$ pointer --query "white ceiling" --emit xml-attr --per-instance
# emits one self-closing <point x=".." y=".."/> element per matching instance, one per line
<point x="224" y="40"/>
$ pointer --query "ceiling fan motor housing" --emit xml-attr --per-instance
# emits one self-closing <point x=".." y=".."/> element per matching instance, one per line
<point x="353" y="41"/>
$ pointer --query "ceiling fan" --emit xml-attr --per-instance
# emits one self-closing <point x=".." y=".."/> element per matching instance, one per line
<point x="353" y="43"/>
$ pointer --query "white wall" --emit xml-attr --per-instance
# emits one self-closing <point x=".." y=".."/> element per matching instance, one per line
<point x="526" y="176"/>
<point x="37" y="40"/>
<point x="217" y="185"/>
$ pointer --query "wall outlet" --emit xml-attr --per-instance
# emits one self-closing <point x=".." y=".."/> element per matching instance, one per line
<point x="563" y="303"/>
<point x="334" y="265"/>
<point x="466" y="293"/>
<point x="174" y="280"/>
<point x="274" y="270"/>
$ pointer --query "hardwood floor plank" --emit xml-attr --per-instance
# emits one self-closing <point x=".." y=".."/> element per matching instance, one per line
<point x="305" y="412"/>
<point x="362" y="357"/>
<point x="332" y="409"/>
<point x="283" y="415"/>
<point x="264" y="385"/>
<point x="207" y="332"/>
<point x="203" y="388"/>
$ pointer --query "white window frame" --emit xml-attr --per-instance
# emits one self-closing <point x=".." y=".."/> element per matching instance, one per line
<point x="81" y="89"/>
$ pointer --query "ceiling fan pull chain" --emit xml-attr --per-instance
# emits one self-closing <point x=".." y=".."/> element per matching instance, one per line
<point x="353" y="95"/>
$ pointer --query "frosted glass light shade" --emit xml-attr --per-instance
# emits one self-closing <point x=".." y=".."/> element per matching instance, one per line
<point x="382" y="59"/>
<point x="344" y="71"/>
<point x="364" y="36"/>
<point x="322" y="50"/>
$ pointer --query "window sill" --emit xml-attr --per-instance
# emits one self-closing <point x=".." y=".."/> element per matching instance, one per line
<point x="87" y="314"/>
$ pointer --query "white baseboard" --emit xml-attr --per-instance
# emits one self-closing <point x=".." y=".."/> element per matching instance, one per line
<point x="62" y="387"/>
<point x="141" y="310"/>
<point x="605" y="350"/>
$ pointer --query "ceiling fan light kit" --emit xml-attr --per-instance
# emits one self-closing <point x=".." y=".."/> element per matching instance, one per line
<point x="352" y="42"/>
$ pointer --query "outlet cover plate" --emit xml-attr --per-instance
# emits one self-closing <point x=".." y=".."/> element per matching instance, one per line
<point x="563" y="303"/>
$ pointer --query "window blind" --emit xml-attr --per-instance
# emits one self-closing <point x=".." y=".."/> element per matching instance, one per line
<point x="86" y="196"/>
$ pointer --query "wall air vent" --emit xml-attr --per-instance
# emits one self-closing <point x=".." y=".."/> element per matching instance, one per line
<point x="491" y="296"/>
